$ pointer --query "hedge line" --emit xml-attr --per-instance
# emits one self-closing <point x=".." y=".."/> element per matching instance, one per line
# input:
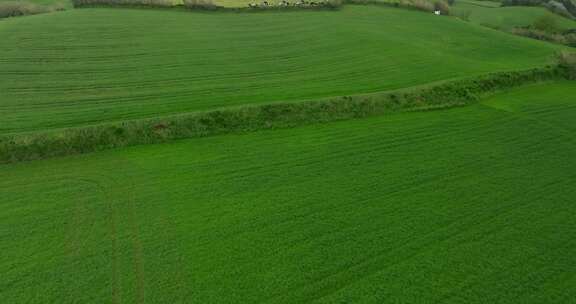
<point x="208" y="5"/>
<point x="32" y="146"/>
<point x="24" y="8"/>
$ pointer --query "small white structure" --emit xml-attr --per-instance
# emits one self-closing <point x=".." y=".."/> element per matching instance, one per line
<point x="437" y="12"/>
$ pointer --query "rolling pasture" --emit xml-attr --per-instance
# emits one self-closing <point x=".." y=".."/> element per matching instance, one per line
<point x="468" y="205"/>
<point x="87" y="66"/>
<point x="491" y="14"/>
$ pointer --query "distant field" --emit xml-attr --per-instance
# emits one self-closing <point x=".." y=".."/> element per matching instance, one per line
<point x="92" y="65"/>
<point x="491" y="14"/>
<point x="469" y="205"/>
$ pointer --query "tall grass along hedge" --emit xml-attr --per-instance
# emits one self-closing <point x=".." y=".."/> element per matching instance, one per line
<point x="23" y="8"/>
<point x="419" y="5"/>
<point x="210" y="5"/>
<point x="23" y="147"/>
<point x="123" y="3"/>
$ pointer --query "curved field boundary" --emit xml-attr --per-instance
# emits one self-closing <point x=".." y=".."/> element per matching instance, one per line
<point x="71" y="70"/>
<point x="24" y="147"/>
<point x="307" y="5"/>
<point x="325" y="5"/>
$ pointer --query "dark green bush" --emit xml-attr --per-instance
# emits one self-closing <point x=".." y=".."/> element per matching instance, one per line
<point x="200" y="4"/>
<point x="567" y="62"/>
<point x="442" y="6"/>
<point x="546" y="23"/>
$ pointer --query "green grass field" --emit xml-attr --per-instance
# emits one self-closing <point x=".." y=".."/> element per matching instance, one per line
<point x="491" y="14"/>
<point x="468" y="205"/>
<point x="71" y="68"/>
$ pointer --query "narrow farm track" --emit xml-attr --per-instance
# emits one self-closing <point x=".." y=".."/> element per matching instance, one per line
<point x="72" y="68"/>
<point x="467" y="205"/>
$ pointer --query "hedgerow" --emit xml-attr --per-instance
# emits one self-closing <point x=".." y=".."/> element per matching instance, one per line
<point x="23" y="147"/>
<point x="420" y="5"/>
<point x="123" y="3"/>
<point x="209" y="5"/>
<point x="559" y="38"/>
<point x="200" y="4"/>
<point x="546" y="28"/>
<point x="23" y="8"/>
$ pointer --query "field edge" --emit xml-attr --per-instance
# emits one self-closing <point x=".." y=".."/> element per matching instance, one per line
<point x="80" y="140"/>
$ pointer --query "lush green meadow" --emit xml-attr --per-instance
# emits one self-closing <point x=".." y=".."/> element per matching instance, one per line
<point x="491" y="14"/>
<point x="86" y="66"/>
<point x="468" y="205"/>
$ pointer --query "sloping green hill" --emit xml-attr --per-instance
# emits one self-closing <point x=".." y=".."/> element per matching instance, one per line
<point x="469" y="205"/>
<point x="92" y="65"/>
<point x="491" y="14"/>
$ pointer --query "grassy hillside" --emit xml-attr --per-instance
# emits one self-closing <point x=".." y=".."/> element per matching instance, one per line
<point x="72" y="68"/>
<point x="491" y="14"/>
<point x="469" y="205"/>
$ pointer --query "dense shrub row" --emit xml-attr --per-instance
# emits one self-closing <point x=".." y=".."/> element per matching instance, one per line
<point x="546" y="28"/>
<point x="420" y="5"/>
<point x="22" y="8"/>
<point x="293" y="4"/>
<point x="123" y="3"/>
<point x="200" y="4"/>
<point x="21" y="147"/>
<point x="560" y="38"/>
<point x="209" y="4"/>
